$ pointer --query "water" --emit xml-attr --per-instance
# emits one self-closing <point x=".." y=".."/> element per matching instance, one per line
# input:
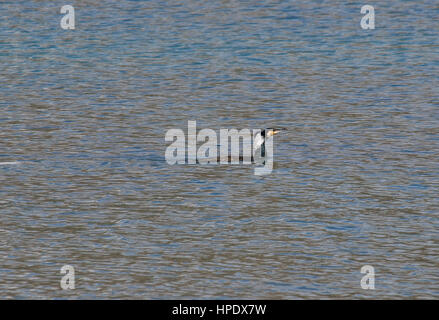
<point x="84" y="182"/>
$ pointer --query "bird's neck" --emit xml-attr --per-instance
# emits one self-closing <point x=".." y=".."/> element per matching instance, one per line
<point x="259" y="142"/>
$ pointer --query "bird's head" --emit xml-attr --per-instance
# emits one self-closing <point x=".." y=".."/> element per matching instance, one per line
<point x="269" y="132"/>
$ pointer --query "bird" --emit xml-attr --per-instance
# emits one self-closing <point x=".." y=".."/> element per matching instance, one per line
<point x="260" y="139"/>
<point x="258" y="144"/>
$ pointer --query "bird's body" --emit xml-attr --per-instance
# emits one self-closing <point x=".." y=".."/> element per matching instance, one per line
<point x="260" y="139"/>
<point x="258" y="149"/>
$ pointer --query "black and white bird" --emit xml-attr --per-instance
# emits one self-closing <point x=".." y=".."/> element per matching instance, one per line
<point x="259" y="141"/>
<point x="258" y="154"/>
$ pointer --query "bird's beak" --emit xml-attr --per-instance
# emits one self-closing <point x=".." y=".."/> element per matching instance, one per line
<point x="276" y="131"/>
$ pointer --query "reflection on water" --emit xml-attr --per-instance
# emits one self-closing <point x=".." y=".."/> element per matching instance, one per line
<point x="84" y="112"/>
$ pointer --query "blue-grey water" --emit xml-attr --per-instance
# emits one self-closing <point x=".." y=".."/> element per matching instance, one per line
<point x="83" y="176"/>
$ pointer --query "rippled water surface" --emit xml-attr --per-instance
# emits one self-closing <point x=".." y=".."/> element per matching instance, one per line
<point x="84" y="181"/>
